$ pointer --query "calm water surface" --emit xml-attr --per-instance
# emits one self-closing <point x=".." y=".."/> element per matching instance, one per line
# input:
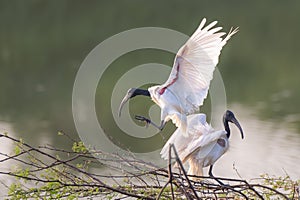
<point x="268" y="147"/>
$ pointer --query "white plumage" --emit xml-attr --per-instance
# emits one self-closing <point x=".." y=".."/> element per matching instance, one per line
<point x="200" y="142"/>
<point x="188" y="83"/>
<point x="203" y="145"/>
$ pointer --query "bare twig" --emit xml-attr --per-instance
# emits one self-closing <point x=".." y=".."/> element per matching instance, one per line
<point x="41" y="172"/>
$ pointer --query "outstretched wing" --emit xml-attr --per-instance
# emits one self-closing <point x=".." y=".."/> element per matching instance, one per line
<point x="194" y="65"/>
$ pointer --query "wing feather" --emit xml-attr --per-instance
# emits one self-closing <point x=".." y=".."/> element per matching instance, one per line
<point x="201" y="138"/>
<point x="194" y="65"/>
<point x="197" y="126"/>
<point x="205" y="144"/>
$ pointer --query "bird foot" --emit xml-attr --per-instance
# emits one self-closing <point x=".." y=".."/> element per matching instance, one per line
<point x="143" y="119"/>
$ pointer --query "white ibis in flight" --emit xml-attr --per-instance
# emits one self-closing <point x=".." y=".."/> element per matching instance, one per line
<point x="188" y="83"/>
<point x="203" y="146"/>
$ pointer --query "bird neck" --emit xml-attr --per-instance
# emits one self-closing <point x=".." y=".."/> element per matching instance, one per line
<point x="139" y="91"/>
<point x="226" y="126"/>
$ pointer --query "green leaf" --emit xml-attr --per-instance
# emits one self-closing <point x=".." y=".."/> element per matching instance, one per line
<point x="60" y="133"/>
<point x="78" y="147"/>
<point x="17" y="150"/>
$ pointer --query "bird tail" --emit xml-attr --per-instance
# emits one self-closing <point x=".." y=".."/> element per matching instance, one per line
<point x="195" y="170"/>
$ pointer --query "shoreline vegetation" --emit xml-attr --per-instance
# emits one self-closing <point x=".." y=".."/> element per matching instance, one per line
<point x="47" y="172"/>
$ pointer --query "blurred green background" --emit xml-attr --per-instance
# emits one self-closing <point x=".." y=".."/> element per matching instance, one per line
<point x="42" y="44"/>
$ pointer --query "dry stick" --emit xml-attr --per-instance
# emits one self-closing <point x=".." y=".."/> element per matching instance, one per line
<point x="182" y="186"/>
<point x="294" y="191"/>
<point x="273" y="190"/>
<point x="234" y="190"/>
<point x="189" y="182"/>
<point x="17" y="159"/>
<point x="228" y="187"/>
<point x="67" y="136"/>
<point x="55" y="163"/>
<point x="54" y="158"/>
<point x="123" y="160"/>
<point x="249" y="186"/>
<point x="131" y="163"/>
<point x="183" y="171"/>
<point x="157" y="172"/>
<point x="103" y="185"/>
<point x="39" y="167"/>
<point x="252" y="188"/>
<point x="14" y="157"/>
<point x="170" y="174"/>
<point x="171" y="177"/>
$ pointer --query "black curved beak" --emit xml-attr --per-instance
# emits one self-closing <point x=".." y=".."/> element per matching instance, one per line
<point x="235" y="121"/>
<point x="130" y="94"/>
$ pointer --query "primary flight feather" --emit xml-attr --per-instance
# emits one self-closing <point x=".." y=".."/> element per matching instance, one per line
<point x="187" y="86"/>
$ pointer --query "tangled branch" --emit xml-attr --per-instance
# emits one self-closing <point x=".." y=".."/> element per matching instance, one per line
<point x="52" y="173"/>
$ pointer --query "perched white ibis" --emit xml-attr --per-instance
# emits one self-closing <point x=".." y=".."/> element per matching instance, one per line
<point x="188" y="83"/>
<point x="203" y="146"/>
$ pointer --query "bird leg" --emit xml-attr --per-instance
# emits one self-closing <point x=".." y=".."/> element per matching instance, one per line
<point x="211" y="175"/>
<point x="148" y="121"/>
